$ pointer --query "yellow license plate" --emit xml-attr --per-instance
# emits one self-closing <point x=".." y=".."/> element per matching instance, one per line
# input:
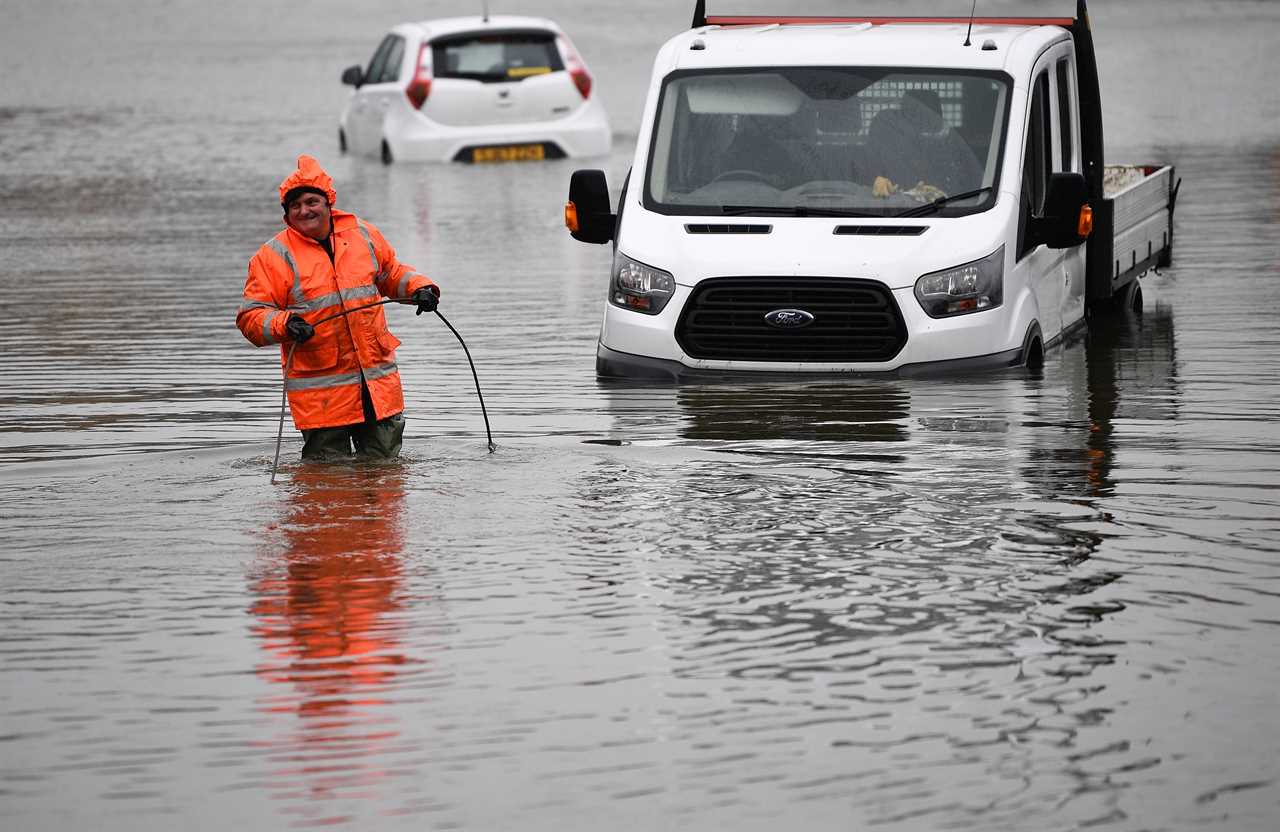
<point x="509" y="153"/>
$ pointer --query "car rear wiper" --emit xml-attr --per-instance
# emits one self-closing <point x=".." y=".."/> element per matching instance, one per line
<point x="791" y="211"/>
<point x="930" y="207"/>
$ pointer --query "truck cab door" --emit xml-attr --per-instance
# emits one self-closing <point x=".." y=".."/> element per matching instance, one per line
<point x="1037" y="266"/>
<point x="1067" y="159"/>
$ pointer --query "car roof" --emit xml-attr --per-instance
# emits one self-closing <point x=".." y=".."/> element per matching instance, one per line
<point x="938" y="45"/>
<point x="445" y="26"/>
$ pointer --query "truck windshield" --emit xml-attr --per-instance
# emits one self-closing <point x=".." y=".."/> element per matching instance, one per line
<point x="822" y="141"/>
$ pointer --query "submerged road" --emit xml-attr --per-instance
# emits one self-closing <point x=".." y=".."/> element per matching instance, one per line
<point x="1002" y="602"/>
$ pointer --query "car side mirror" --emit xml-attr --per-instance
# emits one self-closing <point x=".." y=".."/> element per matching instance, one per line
<point x="587" y="214"/>
<point x="1068" y="218"/>
<point x="353" y="76"/>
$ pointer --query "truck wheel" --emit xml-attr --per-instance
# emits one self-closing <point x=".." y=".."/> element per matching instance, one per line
<point x="342" y="141"/>
<point x="1033" y="349"/>
<point x="386" y="153"/>
<point x="1128" y="301"/>
<point x="1134" y="303"/>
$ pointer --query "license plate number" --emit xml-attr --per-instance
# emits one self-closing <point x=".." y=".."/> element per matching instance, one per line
<point x="509" y="153"/>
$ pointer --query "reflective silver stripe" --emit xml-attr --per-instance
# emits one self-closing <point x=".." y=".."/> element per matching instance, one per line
<point x="364" y="232"/>
<point x="402" y="289"/>
<point x="267" y="337"/>
<point x="255" y="304"/>
<point x="317" y="382"/>
<point x="366" y="291"/>
<point x="321" y="302"/>
<point x="280" y="249"/>
<point x="340" y="379"/>
<point x="381" y="370"/>
<point x="333" y="298"/>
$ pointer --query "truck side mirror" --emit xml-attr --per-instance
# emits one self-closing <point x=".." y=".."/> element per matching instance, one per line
<point x="587" y="214"/>
<point x="1067" y="218"/>
<point x="353" y="76"/>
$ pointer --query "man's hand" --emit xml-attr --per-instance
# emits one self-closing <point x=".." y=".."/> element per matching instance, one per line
<point x="426" y="300"/>
<point x="299" y="330"/>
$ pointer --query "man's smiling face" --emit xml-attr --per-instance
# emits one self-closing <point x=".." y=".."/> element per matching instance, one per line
<point x="309" y="214"/>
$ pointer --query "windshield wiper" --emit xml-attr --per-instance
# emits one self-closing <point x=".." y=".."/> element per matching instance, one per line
<point x="790" y="211"/>
<point x="930" y="207"/>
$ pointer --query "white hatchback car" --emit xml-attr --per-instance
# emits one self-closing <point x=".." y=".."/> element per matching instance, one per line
<point x="474" y="89"/>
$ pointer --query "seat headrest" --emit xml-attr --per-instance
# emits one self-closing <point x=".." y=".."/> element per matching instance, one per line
<point x="923" y="108"/>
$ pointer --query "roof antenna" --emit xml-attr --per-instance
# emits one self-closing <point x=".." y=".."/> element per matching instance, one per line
<point x="699" y="14"/>
<point x="972" y="9"/>
<point x="484" y="6"/>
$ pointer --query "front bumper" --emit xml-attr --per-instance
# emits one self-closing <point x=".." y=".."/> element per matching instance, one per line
<point x="620" y="365"/>
<point x="634" y="345"/>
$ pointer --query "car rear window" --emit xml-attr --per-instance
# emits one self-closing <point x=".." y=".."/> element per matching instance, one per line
<point x="491" y="57"/>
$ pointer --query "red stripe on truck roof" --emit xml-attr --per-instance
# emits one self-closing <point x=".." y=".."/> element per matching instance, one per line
<point x="760" y="20"/>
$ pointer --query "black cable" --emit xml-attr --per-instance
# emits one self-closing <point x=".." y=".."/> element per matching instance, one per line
<point x="284" y="388"/>
<point x="480" y="396"/>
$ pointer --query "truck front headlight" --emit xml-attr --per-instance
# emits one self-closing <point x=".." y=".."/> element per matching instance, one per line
<point x="638" y="287"/>
<point x="972" y="287"/>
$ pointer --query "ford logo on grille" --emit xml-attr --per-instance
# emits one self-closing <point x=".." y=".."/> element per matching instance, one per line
<point x="788" y="318"/>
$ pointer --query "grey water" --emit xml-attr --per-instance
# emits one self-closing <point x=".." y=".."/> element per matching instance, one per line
<point x="1011" y="601"/>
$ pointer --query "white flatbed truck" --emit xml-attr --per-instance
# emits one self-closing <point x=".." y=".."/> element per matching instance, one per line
<point x="868" y="195"/>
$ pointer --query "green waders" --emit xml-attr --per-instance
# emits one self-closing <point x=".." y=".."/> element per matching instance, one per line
<point x="373" y="438"/>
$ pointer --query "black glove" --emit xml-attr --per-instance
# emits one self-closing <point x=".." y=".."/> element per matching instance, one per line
<point x="426" y="300"/>
<point x="299" y="330"/>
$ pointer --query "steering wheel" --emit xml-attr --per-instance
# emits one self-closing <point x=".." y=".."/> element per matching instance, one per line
<point x="743" y="173"/>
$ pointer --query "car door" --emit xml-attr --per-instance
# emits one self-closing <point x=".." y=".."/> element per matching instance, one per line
<point x="1066" y="154"/>
<point x="1036" y="265"/>
<point x="371" y="100"/>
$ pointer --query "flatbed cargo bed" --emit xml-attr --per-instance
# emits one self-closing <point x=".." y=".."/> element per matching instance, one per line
<point x="1132" y="227"/>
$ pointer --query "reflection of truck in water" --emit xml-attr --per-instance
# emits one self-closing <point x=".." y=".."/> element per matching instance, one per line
<point x="868" y="195"/>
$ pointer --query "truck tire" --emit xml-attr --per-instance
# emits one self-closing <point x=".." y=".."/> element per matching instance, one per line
<point x="386" y="153"/>
<point x="1128" y="300"/>
<point x="1032" y="349"/>
<point x="342" y="141"/>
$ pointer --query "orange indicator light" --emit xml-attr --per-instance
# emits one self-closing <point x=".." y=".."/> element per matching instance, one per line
<point x="571" y="216"/>
<point x="1084" y="226"/>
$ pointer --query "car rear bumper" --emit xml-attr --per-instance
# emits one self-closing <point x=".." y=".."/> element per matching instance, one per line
<point x="415" y="138"/>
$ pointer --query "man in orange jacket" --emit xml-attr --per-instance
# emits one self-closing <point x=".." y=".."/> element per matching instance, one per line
<point x="343" y="384"/>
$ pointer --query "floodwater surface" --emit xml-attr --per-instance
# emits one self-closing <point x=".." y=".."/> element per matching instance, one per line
<point x="1008" y="601"/>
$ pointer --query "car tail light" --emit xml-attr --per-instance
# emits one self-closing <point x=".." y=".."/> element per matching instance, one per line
<point x="420" y="86"/>
<point x="577" y="69"/>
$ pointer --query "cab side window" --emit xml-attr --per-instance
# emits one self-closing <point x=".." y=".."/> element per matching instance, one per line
<point x="1065" y="127"/>
<point x="378" y="63"/>
<point x="395" y="57"/>
<point x="1037" y="160"/>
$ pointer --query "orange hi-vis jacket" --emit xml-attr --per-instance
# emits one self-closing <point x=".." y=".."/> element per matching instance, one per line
<point x="292" y="274"/>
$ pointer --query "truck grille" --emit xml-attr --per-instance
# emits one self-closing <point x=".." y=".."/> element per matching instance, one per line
<point x="853" y="320"/>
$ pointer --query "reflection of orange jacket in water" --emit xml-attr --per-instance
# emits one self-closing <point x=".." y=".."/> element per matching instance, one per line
<point x="327" y="611"/>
